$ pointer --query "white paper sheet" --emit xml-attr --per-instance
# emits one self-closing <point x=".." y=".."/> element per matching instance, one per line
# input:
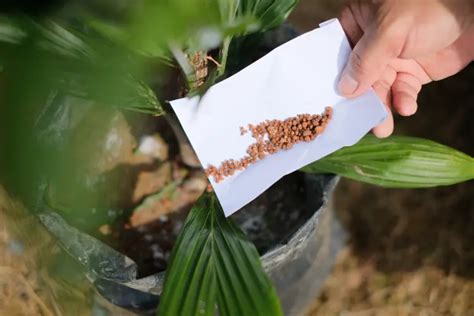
<point x="298" y="77"/>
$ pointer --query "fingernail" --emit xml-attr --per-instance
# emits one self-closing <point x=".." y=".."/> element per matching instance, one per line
<point x="347" y="84"/>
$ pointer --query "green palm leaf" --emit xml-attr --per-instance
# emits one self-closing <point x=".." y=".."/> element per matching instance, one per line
<point x="398" y="162"/>
<point x="270" y="13"/>
<point x="213" y="267"/>
<point x="63" y="59"/>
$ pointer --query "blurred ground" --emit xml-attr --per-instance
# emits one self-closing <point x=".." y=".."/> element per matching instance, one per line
<point x="26" y="285"/>
<point x="410" y="251"/>
<point x="19" y="289"/>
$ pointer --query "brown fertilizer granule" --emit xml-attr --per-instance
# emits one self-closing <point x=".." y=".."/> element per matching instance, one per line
<point x="272" y="136"/>
<point x="243" y="130"/>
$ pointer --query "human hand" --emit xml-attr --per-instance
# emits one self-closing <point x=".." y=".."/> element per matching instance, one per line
<point x="401" y="45"/>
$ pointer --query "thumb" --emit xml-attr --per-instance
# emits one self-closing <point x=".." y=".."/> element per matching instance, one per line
<point x="368" y="60"/>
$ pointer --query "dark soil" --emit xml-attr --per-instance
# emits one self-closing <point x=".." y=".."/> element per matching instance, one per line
<point x="269" y="221"/>
<point x="272" y="218"/>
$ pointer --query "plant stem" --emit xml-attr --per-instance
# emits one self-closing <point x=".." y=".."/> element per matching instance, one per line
<point x="224" y="55"/>
<point x="183" y="63"/>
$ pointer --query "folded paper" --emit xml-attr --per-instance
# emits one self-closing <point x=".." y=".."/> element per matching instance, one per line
<point x="298" y="77"/>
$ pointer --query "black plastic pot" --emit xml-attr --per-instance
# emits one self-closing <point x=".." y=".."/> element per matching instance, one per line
<point x="299" y="268"/>
<point x="299" y="246"/>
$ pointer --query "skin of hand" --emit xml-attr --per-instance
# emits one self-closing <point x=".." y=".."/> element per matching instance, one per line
<point x="401" y="45"/>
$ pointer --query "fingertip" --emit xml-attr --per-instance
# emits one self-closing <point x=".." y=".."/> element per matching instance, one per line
<point x="404" y="102"/>
<point x="407" y="108"/>
<point x="385" y="128"/>
<point x="405" y="94"/>
<point x="382" y="132"/>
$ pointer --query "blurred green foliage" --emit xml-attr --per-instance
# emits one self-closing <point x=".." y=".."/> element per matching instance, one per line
<point x="104" y="53"/>
<point x="54" y="65"/>
<point x="68" y="67"/>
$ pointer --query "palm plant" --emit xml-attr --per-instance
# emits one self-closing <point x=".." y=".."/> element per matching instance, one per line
<point x="108" y="53"/>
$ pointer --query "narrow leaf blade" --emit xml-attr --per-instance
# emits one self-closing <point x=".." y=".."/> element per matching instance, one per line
<point x="213" y="264"/>
<point x="398" y="162"/>
<point x="270" y="13"/>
